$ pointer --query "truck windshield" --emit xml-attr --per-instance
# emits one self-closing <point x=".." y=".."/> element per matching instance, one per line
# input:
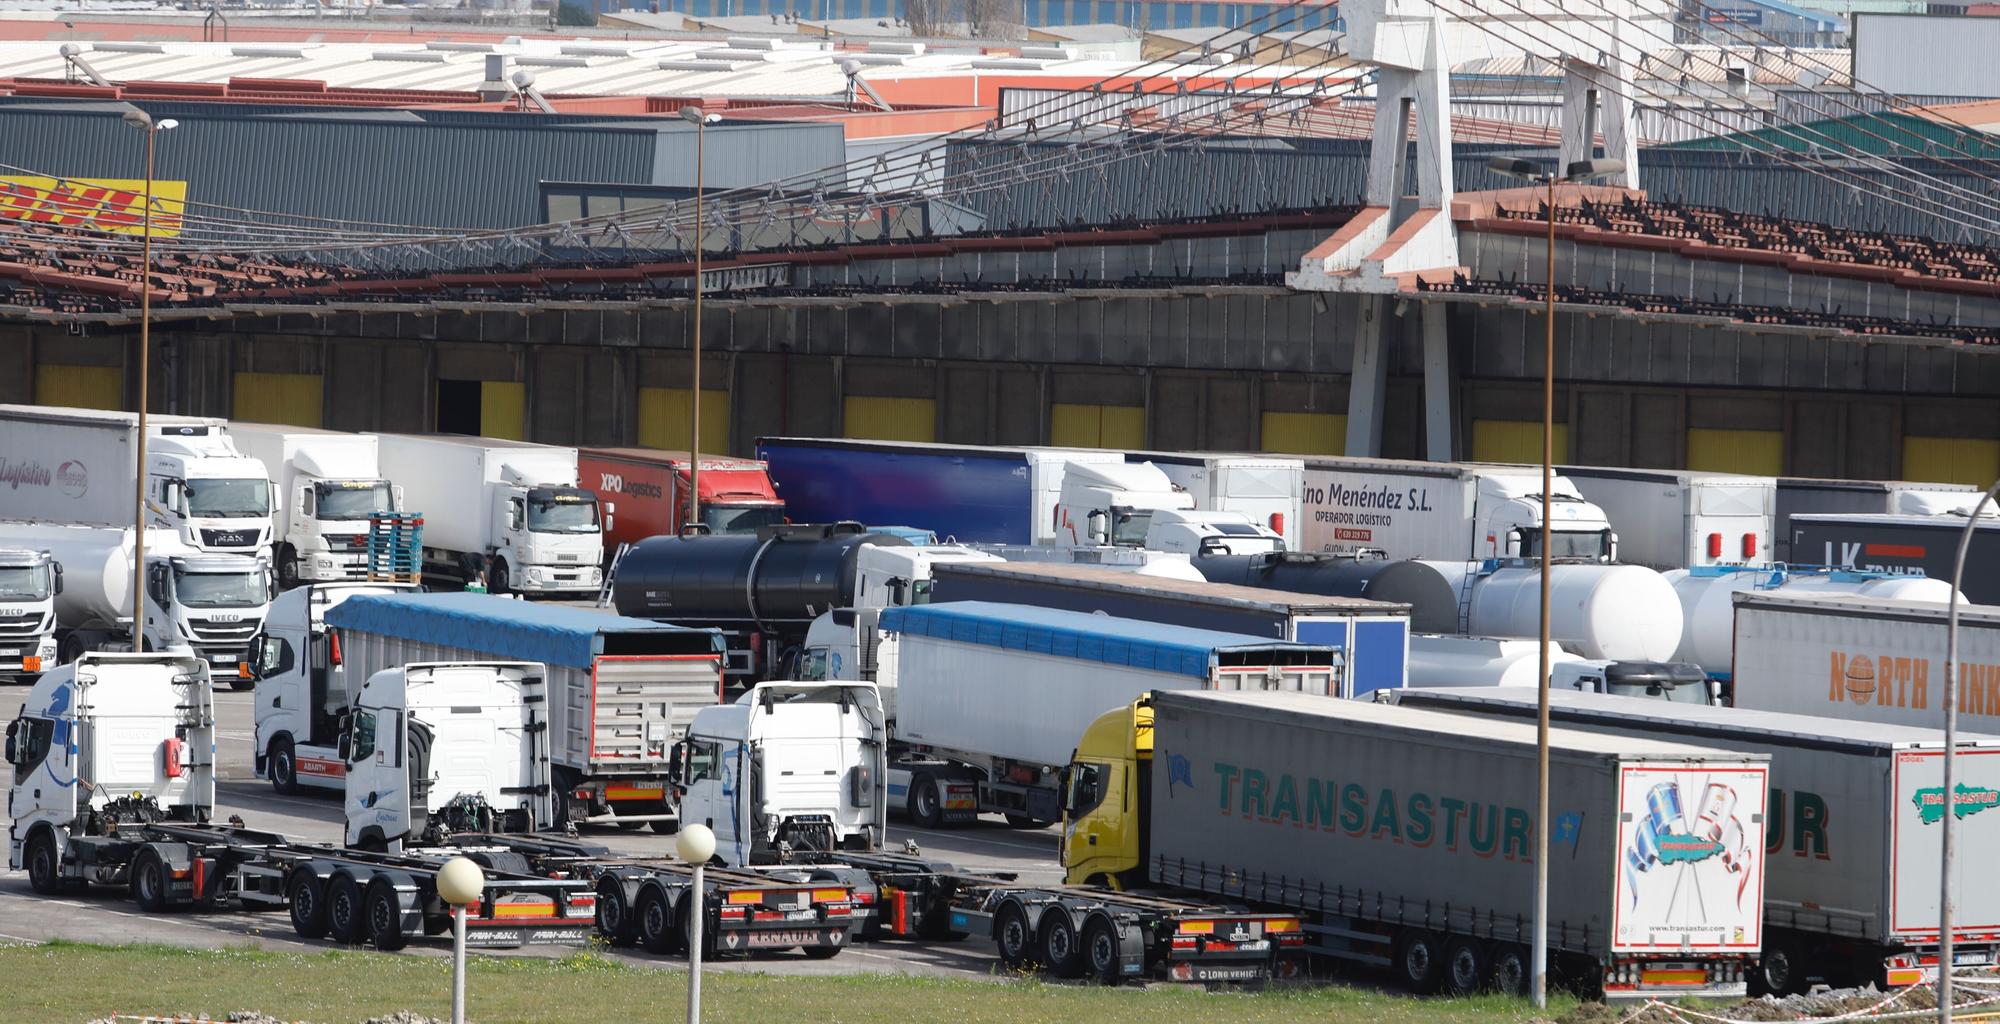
<point x="741" y="519"/>
<point x="561" y="512"/>
<point x="1130" y="529"/>
<point x="24" y="583"/>
<point x="219" y="499"/>
<point x="220" y="589"/>
<point x="1593" y="545"/>
<point x="353" y="499"/>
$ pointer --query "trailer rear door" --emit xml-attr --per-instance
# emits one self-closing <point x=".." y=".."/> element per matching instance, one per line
<point x="1690" y="857"/>
<point x="639" y="705"/>
<point x="1918" y="826"/>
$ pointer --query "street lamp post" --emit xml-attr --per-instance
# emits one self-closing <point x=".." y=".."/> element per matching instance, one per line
<point x="459" y="884"/>
<point x="1580" y="170"/>
<point x="701" y="121"/>
<point x="144" y="122"/>
<point x="695" y="844"/>
<point x="1945" y="853"/>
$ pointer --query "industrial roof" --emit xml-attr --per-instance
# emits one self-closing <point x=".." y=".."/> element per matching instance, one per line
<point x="549" y="633"/>
<point x="1102" y="638"/>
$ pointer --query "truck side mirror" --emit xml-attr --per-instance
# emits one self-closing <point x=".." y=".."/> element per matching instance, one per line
<point x="345" y="746"/>
<point x="13" y="748"/>
<point x="303" y="502"/>
<point x="513" y="513"/>
<point x="1610" y="546"/>
<point x="674" y="755"/>
<point x="897" y="587"/>
<point x="59" y="580"/>
<point x="1096" y="529"/>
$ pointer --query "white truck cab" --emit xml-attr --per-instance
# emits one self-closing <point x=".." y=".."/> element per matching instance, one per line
<point x="330" y="486"/>
<point x="212" y="604"/>
<point x="1194" y="533"/>
<point x="105" y="740"/>
<point x="302" y="698"/>
<point x="790" y="767"/>
<point x="29" y="583"/>
<point x="840" y="644"/>
<point x="1511" y="510"/>
<point x="1137" y="505"/>
<point x="433" y="749"/>
<point x="200" y="486"/>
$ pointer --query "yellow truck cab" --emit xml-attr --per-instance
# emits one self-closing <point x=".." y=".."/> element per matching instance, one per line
<point x="1110" y="778"/>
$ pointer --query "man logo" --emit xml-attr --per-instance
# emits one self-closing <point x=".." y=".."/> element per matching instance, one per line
<point x="1860" y="678"/>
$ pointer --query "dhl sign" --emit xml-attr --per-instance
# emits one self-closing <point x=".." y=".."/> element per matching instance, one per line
<point x="105" y="204"/>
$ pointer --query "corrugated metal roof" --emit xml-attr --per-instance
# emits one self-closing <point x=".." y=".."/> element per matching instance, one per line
<point x="504" y="628"/>
<point x="1112" y="641"/>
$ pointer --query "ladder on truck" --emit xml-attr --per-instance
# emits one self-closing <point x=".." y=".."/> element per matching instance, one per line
<point x="395" y="547"/>
<point x="611" y="574"/>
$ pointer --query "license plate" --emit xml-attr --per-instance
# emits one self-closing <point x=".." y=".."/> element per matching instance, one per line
<point x="10" y="652"/>
<point x="1976" y="958"/>
<point x="223" y="659"/>
<point x="782" y="939"/>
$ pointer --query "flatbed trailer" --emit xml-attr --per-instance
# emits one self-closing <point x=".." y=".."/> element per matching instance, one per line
<point x="649" y="903"/>
<point x="348" y="895"/>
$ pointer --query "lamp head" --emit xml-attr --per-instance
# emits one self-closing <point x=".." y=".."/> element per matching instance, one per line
<point x="1515" y="167"/>
<point x="695" y="844"/>
<point x="460" y="881"/>
<point x="696" y="116"/>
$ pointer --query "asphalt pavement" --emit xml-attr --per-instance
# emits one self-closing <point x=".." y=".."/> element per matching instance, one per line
<point x="105" y="915"/>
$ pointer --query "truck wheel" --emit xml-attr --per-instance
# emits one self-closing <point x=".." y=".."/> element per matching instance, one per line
<point x="385" y="918"/>
<point x="1011" y="934"/>
<point x="665" y="827"/>
<point x="1100" y="951"/>
<point x="345" y="915"/>
<point x="1511" y="970"/>
<point x="1060" y="952"/>
<point x="70" y="649"/>
<point x="149" y="882"/>
<point x="1464" y="966"/>
<point x="1026" y="822"/>
<point x="926" y="810"/>
<point x="614" y="914"/>
<point x="821" y="952"/>
<point x="44" y="867"/>
<point x="709" y="926"/>
<point x="496" y="577"/>
<point x="1778" y="972"/>
<point x="307" y="906"/>
<point x="284" y="767"/>
<point x="1419" y="961"/>
<point x="657" y="933"/>
<point x="288" y="567"/>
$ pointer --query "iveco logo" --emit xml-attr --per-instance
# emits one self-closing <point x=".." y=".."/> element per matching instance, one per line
<point x="11" y="612"/>
<point x="225" y="617"/>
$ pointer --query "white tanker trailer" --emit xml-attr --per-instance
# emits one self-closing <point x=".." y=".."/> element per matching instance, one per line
<point x="1598" y="612"/>
<point x="1708" y="623"/>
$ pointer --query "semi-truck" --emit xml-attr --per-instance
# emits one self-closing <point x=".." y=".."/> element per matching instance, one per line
<point x="30" y="578"/>
<point x="621" y="691"/>
<point x="1465" y="511"/>
<point x="1138" y="505"/>
<point x="1682" y="518"/>
<point x="1404" y="838"/>
<point x="650" y="489"/>
<point x="75" y="466"/>
<point x="1820" y="496"/>
<point x="1265" y="490"/>
<point x="1851" y="880"/>
<point x="1371" y="636"/>
<point x="987" y="699"/>
<point x="1867" y="659"/>
<point x="962" y="493"/>
<point x="1904" y="545"/>
<point x="209" y="603"/>
<point x="766" y="590"/>
<point x="511" y="510"/>
<point x="330" y="485"/>
<point x="1708" y="608"/>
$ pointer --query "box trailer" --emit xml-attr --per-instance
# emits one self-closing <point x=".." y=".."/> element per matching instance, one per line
<point x="1798" y="495"/>
<point x="1868" y="659"/>
<point x="1371" y="636"/>
<point x="1682" y="518"/>
<point x="649" y="487"/>
<point x="1851" y="887"/>
<point x="1408" y="838"/>
<point x="1903" y="545"/>
<point x="1456" y="511"/>
<point x="621" y="691"/>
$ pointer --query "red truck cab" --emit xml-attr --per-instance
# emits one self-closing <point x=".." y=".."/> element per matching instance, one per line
<point x="649" y="486"/>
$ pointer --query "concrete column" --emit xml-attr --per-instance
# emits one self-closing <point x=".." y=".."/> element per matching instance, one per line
<point x="1368" y="385"/>
<point x="1438" y="393"/>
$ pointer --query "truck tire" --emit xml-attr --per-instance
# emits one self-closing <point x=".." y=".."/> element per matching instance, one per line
<point x="926" y="810"/>
<point x="44" y="864"/>
<point x="1465" y="966"/>
<point x="1100" y="951"/>
<point x="496" y="577"/>
<point x="1778" y="971"/>
<point x="385" y="918"/>
<point x="284" y="764"/>
<point x="1419" y="961"/>
<point x="658" y="931"/>
<point x="149" y="882"/>
<point x="307" y="902"/>
<point x="709" y="926"/>
<point x="1061" y="951"/>
<point x="1023" y="821"/>
<point x="1511" y="969"/>
<point x="615" y="921"/>
<point x="346" y="917"/>
<point x="288" y="567"/>
<point x="822" y="952"/>
<point x="1012" y="935"/>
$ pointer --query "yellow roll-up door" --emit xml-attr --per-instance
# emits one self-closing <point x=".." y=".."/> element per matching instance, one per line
<point x="503" y="410"/>
<point x="80" y="387"/>
<point x="891" y="419"/>
<point x="292" y="398"/>
<point x="1517" y="441"/>
<point x="1305" y="433"/>
<point x="664" y="420"/>
<point x="1758" y="452"/>
<point x="1951" y="460"/>
<point x="1097" y="426"/>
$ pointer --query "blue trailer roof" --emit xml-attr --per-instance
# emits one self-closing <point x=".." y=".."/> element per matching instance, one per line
<point x="506" y="628"/>
<point x="1087" y="637"/>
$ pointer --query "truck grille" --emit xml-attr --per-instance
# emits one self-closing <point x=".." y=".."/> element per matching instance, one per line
<point x="229" y="538"/>
<point x="16" y="627"/>
<point x="569" y="558"/>
<point x="209" y="631"/>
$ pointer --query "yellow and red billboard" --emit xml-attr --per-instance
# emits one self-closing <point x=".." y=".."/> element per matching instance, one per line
<point x="104" y="204"/>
